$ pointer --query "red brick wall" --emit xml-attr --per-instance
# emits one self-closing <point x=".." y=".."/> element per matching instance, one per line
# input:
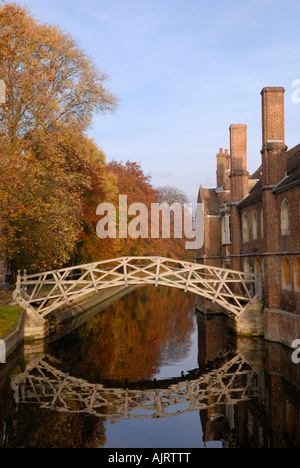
<point x="288" y="244"/>
<point x="275" y="245"/>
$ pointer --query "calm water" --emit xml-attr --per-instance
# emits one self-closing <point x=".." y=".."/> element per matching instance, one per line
<point x="149" y="372"/>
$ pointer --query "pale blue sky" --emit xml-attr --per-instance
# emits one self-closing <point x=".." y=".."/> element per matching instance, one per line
<point x="184" y="71"/>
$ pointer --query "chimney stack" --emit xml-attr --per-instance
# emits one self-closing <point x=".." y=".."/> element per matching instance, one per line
<point x="273" y="170"/>
<point x="238" y="152"/>
<point x="272" y="117"/>
<point x="221" y="168"/>
<point x="273" y="135"/>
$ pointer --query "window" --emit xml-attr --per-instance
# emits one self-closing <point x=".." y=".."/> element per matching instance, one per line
<point x="285" y="218"/>
<point x="223" y="230"/>
<point x="257" y="266"/>
<point x="286" y="274"/>
<point x="247" y="267"/>
<point x="262" y="224"/>
<point x="226" y="226"/>
<point x="297" y="274"/>
<point x="254" y="225"/>
<point x="245" y="228"/>
<point x="229" y="228"/>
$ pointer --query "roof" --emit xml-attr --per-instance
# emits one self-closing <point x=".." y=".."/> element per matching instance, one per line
<point x="292" y="176"/>
<point x="257" y="173"/>
<point x="211" y="201"/>
<point x="293" y="158"/>
<point x="255" y="193"/>
<point x="253" y="196"/>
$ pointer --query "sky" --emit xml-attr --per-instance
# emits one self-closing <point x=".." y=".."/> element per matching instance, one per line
<point x="184" y="71"/>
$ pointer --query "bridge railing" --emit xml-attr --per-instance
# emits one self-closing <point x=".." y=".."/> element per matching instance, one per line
<point x="48" y="291"/>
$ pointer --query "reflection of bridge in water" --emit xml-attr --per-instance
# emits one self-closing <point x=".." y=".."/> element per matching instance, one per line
<point x="45" y="385"/>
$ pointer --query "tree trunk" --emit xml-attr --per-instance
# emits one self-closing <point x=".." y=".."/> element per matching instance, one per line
<point x="3" y="266"/>
<point x="3" y="257"/>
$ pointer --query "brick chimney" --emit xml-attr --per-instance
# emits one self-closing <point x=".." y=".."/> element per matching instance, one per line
<point x="238" y="152"/>
<point x="273" y="135"/>
<point x="273" y="170"/>
<point x="221" y="168"/>
<point x="227" y="180"/>
<point x="238" y="185"/>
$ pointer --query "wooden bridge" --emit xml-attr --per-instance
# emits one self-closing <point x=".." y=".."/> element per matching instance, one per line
<point x="45" y="292"/>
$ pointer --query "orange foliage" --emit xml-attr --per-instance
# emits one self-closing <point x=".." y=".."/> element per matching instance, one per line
<point x="130" y="180"/>
<point x="52" y="176"/>
<point x="133" y="337"/>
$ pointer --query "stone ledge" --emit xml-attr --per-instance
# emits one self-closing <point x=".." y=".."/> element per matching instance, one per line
<point x="281" y="326"/>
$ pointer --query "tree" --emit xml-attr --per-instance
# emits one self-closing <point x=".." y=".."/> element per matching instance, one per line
<point x="136" y="185"/>
<point x="50" y="85"/>
<point x="170" y="195"/>
<point x="102" y="188"/>
<point x="49" y="80"/>
<point x="132" y="182"/>
<point x="47" y="228"/>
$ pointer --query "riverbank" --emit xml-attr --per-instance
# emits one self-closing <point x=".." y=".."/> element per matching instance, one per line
<point x="12" y="317"/>
<point x="9" y="317"/>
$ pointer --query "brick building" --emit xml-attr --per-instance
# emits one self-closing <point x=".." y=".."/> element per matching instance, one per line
<point x="252" y="222"/>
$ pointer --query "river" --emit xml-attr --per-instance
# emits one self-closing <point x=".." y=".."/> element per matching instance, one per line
<point x="150" y="372"/>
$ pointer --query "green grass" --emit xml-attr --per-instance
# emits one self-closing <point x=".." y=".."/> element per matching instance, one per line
<point x="9" y="316"/>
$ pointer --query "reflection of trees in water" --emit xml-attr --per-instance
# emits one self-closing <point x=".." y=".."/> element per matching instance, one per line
<point x="271" y="420"/>
<point x="132" y="337"/>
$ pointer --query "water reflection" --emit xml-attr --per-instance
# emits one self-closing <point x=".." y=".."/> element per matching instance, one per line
<point x="76" y="393"/>
<point x="49" y="388"/>
<point x="133" y="338"/>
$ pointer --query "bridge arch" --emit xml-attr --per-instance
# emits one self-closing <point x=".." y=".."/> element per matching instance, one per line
<point x="48" y="291"/>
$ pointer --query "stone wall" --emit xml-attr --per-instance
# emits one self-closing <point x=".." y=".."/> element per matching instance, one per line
<point x="281" y="326"/>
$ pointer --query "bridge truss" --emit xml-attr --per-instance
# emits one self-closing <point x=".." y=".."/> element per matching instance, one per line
<point x="50" y="388"/>
<point x="48" y="291"/>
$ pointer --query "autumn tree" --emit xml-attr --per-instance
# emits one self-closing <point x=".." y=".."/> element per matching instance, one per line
<point x="102" y="187"/>
<point x="50" y="84"/>
<point x="57" y="173"/>
<point x="137" y="187"/>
